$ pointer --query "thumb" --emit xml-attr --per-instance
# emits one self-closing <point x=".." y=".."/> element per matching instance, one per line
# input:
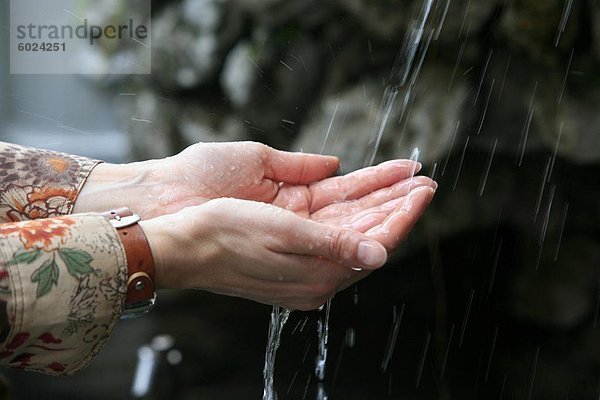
<point x="298" y="168"/>
<point x="340" y="245"/>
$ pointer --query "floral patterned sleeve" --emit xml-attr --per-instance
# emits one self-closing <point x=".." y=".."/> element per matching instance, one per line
<point x="39" y="183"/>
<point x="62" y="278"/>
<point x="62" y="284"/>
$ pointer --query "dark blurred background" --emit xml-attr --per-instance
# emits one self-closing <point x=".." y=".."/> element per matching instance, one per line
<point x="496" y="294"/>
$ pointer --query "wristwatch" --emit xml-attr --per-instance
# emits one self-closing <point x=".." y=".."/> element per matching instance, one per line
<point x="141" y="293"/>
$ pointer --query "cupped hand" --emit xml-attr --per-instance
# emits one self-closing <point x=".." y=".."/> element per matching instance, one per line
<point x="294" y="181"/>
<point x="244" y="170"/>
<point x="267" y="254"/>
<point x="368" y="200"/>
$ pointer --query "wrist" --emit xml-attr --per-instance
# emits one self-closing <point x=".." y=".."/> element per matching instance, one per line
<point x="158" y="239"/>
<point x="112" y="186"/>
<point x="183" y="249"/>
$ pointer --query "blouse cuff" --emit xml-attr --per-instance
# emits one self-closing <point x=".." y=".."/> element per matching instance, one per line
<point x="39" y="183"/>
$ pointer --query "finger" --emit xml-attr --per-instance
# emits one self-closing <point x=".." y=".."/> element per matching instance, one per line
<point x="396" y="191"/>
<point x="368" y="219"/>
<point x="340" y="245"/>
<point x="294" y="198"/>
<point x="366" y="222"/>
<point x="397" y="226"/>
<point x="298" y="168"/>
<point x="374" y="199"/>
<point x="360" y="221"/>
<point x="360" y="183"/>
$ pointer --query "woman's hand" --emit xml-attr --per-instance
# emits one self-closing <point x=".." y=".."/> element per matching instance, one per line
<point x="243" y="170"/>
<point x="267" y="254"/>
<point x="202" y="172"/>
<point x="292" y="237"/>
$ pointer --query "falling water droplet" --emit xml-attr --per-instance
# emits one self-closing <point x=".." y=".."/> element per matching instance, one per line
<point x="446" y="353"/>
<point x="329" y="127"/>
<point x="392" y="338"/>
<point x="483" y="74"/>
<point x="533" y="373"/>
<point x="489" y="365"/>
<point x="485" y="109"/>
<point x="451" y="148"/>
<point x="462" y="160"/>
<point x="466" y="318"/>
<point x="564" y="85"/>
<point x="525" y="132"/>
<point x="504" y="77"/>
<point x="423" y="358"/>
<point x="562" y="231"/>
<point x="484" y="178"/>
<point x="563" y="21"/>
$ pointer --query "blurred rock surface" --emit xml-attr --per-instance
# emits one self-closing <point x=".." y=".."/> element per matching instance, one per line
<point x="504" y="111"/>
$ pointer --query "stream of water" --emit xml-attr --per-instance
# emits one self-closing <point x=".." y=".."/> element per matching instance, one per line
<point x="279" y="317"/>
<point x="412" y="49"/>
<point x="323" y="336"/>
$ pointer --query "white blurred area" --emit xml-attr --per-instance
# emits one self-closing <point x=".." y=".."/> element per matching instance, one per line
<point x="57" y="112"/>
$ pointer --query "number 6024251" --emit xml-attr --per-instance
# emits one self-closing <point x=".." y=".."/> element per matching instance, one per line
<point x="43" y="46"/>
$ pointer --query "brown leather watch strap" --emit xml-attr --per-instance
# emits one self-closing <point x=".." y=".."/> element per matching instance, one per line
<point x="140" y="264"/>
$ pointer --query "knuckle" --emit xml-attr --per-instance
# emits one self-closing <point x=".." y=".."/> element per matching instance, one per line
<point x="336" y="244"/>
<point x="257" y="147"/>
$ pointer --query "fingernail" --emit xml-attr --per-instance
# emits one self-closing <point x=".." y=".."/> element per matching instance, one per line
<point x="434" y="185"/>
<point x="419" y="167"/>
<point x="371" y="254"/>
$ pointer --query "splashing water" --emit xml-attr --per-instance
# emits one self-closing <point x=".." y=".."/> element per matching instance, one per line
<point x="279" y="317"/>
<point x="563" y="21"/>
<point x="330" y="126"/>
<point x="412" y="50"/>
<point x="414" y="156"/>
<point x="321" y="393"/>
<point x="387" y="106"/>
<point x="403" y="65"/>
